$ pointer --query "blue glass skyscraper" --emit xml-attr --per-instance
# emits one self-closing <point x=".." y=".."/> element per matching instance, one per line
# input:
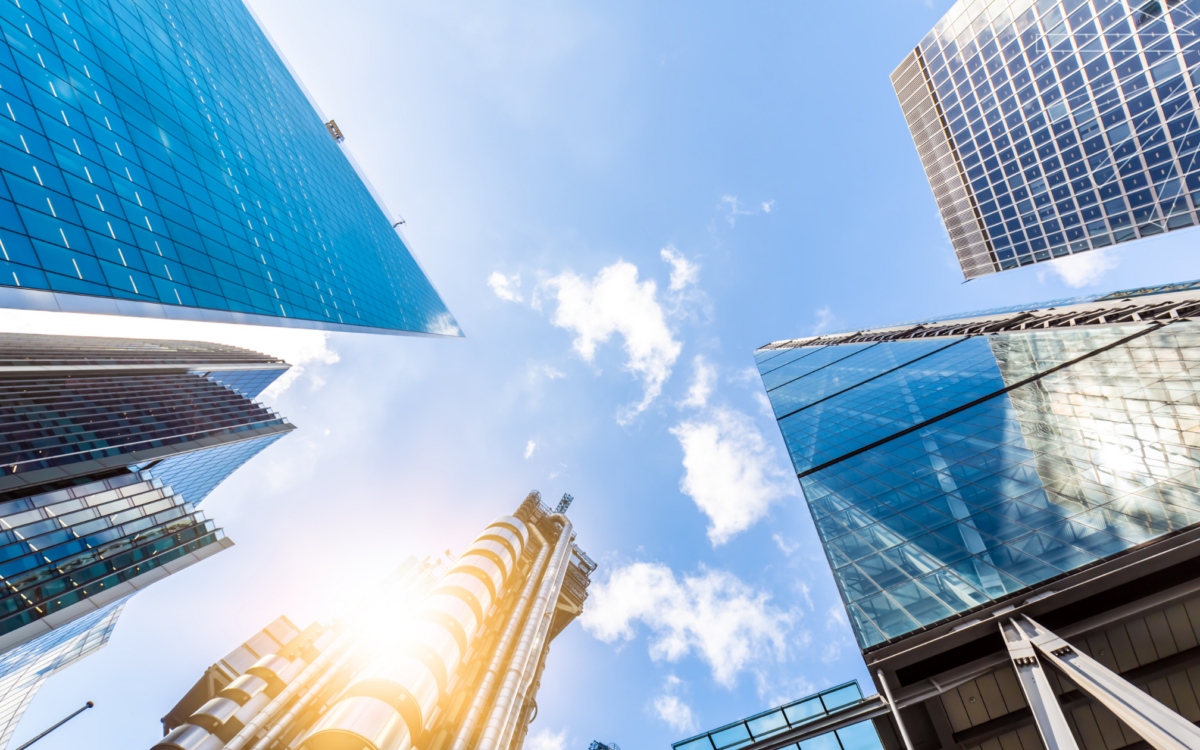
<point x="1054" y="127"/>
<point x="1009" y="501"/>
<point x="161" y="160"/>
<point x="952" y="464"/>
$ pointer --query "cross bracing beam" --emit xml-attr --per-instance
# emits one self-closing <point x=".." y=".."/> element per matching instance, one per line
<point x="1031" y="675"/>
<point x="1155" y="723"/>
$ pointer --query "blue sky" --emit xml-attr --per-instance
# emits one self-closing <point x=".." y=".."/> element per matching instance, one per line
<point x="672" y="185"/>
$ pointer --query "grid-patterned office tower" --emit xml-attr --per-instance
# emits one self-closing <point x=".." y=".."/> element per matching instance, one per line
<point x="440" y="658"/>
<point x="1058" y="126"/>
<point x="159" y="159"/>
<point x="76" y="408"/>
<point x="106" y="446"/>
<point x="1033" y="469"/>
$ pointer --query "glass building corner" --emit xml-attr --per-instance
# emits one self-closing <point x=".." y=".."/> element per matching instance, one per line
<point x="958" y="463"/>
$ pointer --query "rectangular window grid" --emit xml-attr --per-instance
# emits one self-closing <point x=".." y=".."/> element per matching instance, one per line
<point x="59" y="548"/>
<point x="1070" y="124"/>
<point x="162" y="153"/>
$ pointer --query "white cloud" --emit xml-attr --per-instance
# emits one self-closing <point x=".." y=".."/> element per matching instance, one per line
<point x="544" y="739"/>
<point x="295" y="346"/>
<point x="825" y="320"/>
<point x="683" y="271"/>
<point x="1083" y="269"/>
<point x="616" y="302"/>
<point x="734" y="208"/>
<point x="776" y="690"/>
<point x="537" y="370"/>
<point x="704" y="375"/>
<point x="746" y="377"/>
<point x="730" y="472"/>
<point x="764" y="405"/>
<point x="671" y="709"/>
<point x="728" y="624"/>
<point x="530" y="447"/>
<point x="784" y="545"/>
<point x="836" y="617"/>
<point x="505" y="287"/>
<point x="831" y="652"/>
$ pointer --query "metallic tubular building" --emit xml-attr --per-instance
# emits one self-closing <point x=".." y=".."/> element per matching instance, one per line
<point x="459" y="668"/>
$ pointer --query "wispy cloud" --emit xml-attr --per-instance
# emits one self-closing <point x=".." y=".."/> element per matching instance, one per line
<point x="835" y="617"/>
<point x="704" y="377"/>
<point x="825" y="320"/>
<point x="1081" y="269"/>
<point x="733" y="208"/>
<point x="683" y="271"/>
<point x="670" y="708"/>
<point x="506" y="287"/>
<point x="730" y="625"/>
<point x="730" y="471"/>
<point x="784" y="545"/>
<point x="537" y="370"/>
<point x="615" y="302"/>
<point x="545" y="739"/>
<point x="530" y="447"/>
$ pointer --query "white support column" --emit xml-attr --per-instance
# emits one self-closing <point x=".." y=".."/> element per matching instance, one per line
<point x="1047" y="711"/>
<point x="1155" y="723"/>
<point x="887" y="691"/>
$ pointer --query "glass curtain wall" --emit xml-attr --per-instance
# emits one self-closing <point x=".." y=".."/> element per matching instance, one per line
<point x="945" y="474"/>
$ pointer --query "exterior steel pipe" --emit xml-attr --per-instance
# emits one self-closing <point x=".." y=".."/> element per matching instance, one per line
<point x="302" y="702"/>
<point x="498" y="717"/>
<point x="506" y="639"/>
<point x="522" y="728"/>
<point x="260" y="720"/>
<point x="536" y="656"/>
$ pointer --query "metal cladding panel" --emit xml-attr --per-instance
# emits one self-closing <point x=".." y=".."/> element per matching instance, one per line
<point x="471" y="585"/>
<point x="457" y="609"/>
<point x="439" y="640"/>
<point x="497" y="549"/>
<point x="485" y="564"/>
<point x="406" y="673"/>
<point x="517" y="524"/>
<point x="362" y="723"/>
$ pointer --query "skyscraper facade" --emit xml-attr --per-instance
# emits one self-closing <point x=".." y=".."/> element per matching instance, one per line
<point x="161" y="160"/>
<point x="24" y="669"/>
<point x="1007" y="491"/>
<point x="445" y="655"/>
<point x="1054" y="127"/>
<point x="107" y="445"/>
<point x="73" y="407"/>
